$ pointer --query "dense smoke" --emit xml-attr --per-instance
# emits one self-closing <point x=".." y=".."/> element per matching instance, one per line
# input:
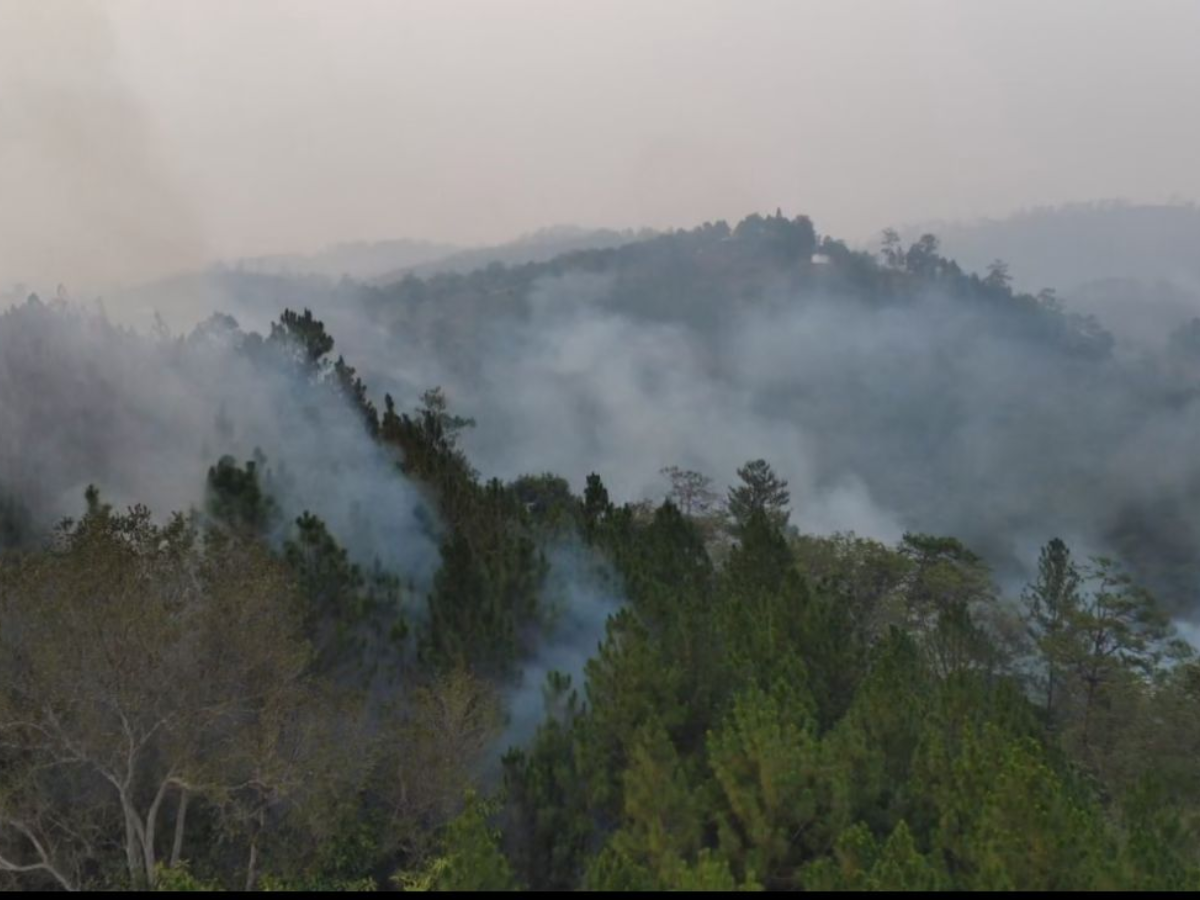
<point x="930" y="414"/>
<point x="580" y="592"/>
<point x="1132" y="265"/>
<point x="83" y="401"/>
<point x="90" y="198"/>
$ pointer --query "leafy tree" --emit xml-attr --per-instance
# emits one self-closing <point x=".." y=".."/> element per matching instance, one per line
<point x="439" y="744"/>
<point x="946" y="588"/>
<point x="1119" y="628"/>
<point x="1005" y="819"/>
<point x="471" y="859"/>
<point x="691" y="492"/>
<point x="124" y="664"/>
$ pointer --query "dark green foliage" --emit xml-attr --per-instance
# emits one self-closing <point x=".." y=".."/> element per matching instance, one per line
<point x="16" y="525"/>
<point x="761" y="492"/>
<point x="550" y="828"/>
<point x="796" y="712"/>
<point x="596" y="505"/>
<point x="301" y="339"/>
<point x="427" y="441"/>
<point x="355" y="391"/>
<point x="353" y="618"/>
<point x="237" y="500"/>
<point x="549" y="501"/>
<point x="486" y="590"/>
<point x="1053" y="602"/>
<point x="788" y="240"/>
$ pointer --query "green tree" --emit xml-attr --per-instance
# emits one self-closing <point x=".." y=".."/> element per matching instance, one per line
<point x="766" y="759"/>
<point x="470" y="860"/>
<point x="301" y="339"/>
<point x="125" y="660"/>
<point x="760" y="491"/>
<point x="235" y="498"/>
<point x="353" y="618"/>
<point x="861" y="863"/>
<point x="1053" y="606"/>
<point x="1119" y="628"/>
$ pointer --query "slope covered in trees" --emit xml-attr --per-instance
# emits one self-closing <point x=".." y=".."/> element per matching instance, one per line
<point x="337" y="655"/>
<point x="894" y="391"/>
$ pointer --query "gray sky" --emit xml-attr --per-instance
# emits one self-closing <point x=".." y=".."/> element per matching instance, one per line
<point x="140" y="135"/>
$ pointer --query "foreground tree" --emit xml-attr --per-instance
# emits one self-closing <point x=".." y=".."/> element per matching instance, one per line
<point x="1053" y="605"/>
<point x="761" y="491"/>
<point x="141" y="666"/>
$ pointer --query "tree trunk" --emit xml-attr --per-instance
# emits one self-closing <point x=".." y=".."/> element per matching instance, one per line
<point x="1050" y="698"/>
<point x="252" y="865"/>
<point x="150" y="831"/>
<point x="180" y="824"/>
<point x="1087" y="716"/>
<point x="131" y="848"/>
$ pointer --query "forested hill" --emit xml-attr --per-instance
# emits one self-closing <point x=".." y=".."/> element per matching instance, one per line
<point x="893" y="389"/>
<point x="539" y="246"/>
<point x="294" y="635"/>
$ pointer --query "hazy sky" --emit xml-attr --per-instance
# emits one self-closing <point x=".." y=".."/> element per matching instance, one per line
<point x="138" y="135"/>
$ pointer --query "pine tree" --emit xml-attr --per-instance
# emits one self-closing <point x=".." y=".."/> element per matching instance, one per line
<point x="761" y="491"/>
<point x="1053" y="603"/>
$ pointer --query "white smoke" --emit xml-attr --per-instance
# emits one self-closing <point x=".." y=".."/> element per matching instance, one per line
<point x="83" y="401"/>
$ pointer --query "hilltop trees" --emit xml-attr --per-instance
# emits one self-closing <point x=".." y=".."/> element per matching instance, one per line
<point x="224" y="699"/>
<point x="690" y="491"/>
<point x="761" y="491"/>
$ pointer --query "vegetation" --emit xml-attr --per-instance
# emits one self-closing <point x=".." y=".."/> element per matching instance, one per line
<point x="224" y="700"/>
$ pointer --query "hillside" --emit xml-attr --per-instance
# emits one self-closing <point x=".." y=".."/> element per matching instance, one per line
<point x="895" y="394"/>
<point x="588" y="618"/>
<point x="1133" y="265"/>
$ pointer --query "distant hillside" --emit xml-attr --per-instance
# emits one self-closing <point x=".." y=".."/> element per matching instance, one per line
<point x="901" y="392"/>
<point x="540" y="246"/>
<point x="1136" y="266"/>
<point x="361" y="259"/>
<point x="252" y="289"/>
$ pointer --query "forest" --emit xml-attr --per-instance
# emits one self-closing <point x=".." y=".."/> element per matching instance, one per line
<point x="276" y="615"/>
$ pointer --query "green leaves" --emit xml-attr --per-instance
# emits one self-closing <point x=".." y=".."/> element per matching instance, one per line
<point x="761" y="492"/>
<point x="767" y="762"/>
<point x="469" y="858"/>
